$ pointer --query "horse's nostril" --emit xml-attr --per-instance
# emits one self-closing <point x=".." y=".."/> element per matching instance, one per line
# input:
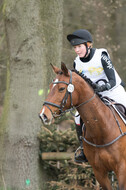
<point x="44" y="117"/>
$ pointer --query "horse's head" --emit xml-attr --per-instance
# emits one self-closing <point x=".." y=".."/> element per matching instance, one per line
<point x="60" y="96"/>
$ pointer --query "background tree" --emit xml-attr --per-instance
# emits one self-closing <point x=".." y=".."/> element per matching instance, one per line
<point x="105" y="20"/>
<point x="34" y="39"/>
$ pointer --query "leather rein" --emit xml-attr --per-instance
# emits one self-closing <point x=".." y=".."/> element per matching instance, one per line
<point x="64" y="101"/>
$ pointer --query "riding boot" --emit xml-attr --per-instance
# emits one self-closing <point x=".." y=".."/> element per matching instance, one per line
<point x="80" y="157"/>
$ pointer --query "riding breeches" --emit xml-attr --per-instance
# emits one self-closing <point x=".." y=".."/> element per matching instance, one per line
<point x="117" y="94"/>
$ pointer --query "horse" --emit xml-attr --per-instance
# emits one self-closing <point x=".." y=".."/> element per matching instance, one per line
<point x="104" y="141"/>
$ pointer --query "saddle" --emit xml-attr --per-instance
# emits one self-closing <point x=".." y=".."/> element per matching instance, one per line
<point x="119" y="108"/>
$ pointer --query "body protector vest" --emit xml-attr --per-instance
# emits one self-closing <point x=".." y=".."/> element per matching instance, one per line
<point x="93" y="69"/>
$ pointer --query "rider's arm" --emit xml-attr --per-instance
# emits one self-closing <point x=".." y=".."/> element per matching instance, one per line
<point x="108" y="69"/>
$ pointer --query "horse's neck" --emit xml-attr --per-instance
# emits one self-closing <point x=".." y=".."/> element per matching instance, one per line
<point x="93" y="115"/>
<point x="91" y="109"/>
<point x="92" y="112"/>
<point x="96" y="116"/>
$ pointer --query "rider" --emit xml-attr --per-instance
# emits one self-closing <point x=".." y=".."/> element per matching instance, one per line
<point x="96" y="65"/>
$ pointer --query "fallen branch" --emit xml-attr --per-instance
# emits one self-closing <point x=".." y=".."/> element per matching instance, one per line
<point x="57" y="156"/>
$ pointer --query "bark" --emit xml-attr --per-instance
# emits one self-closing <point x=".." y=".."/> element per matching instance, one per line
<point x="27" y="34"/>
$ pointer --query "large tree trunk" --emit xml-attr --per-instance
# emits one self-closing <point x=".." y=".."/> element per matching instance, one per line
<point x="34" y="38"/>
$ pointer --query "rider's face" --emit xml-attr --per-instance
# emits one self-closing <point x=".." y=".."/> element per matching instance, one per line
<point x="80" y="50"/>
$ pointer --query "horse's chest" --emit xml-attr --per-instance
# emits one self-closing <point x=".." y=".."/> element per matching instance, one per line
<point x="98" y="157"/>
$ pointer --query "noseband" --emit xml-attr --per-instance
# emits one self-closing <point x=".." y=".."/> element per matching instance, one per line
<point x="64" y="101"/>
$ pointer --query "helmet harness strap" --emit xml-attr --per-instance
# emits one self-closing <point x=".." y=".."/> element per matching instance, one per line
<point x="87" y="49"/>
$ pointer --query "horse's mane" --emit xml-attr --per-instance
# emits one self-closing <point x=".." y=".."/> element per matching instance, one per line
<point x="89" y="81"/>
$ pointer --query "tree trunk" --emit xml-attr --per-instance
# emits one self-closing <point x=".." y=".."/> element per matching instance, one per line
<point x="34" y="36"/>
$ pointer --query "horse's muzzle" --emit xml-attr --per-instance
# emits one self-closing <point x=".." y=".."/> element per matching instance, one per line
<point x="45" y="119"/>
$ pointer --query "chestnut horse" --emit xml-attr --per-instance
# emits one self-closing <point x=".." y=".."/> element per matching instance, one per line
<point x="104" y="139"/>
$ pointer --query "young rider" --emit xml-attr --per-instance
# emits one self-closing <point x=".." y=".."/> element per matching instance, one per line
<point x="96" y="65"/>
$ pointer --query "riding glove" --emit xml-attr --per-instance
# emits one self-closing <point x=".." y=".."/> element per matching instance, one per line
<point x="103" y="87"/>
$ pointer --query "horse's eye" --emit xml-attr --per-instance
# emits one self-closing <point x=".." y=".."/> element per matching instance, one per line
<point x="61" y="89"/>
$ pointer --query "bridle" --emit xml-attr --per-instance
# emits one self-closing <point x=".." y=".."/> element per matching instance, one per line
<point x="64" y="101"/>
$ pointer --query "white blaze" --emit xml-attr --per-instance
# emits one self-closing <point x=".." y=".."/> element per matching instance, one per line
<point x="42" y="112"/>
<point x="55" y="81"/>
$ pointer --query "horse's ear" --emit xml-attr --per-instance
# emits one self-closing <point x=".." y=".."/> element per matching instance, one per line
<point x="55" y="69"/>
<point x="64" y="69"/>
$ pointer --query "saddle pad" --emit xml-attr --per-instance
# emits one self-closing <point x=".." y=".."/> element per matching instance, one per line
<point x="119" y="108"/>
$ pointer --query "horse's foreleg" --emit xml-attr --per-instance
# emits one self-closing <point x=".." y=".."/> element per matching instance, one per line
<point x="121" y="176"/>
<point x="103" y="179"/>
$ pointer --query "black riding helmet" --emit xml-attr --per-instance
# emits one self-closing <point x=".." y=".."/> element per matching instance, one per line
<point x="79" y="37"/>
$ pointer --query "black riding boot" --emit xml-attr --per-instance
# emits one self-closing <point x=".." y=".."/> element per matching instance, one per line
<point x="80" y="157"/>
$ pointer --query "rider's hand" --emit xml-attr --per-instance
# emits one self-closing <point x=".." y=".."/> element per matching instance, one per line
<point x="103" y="87"/>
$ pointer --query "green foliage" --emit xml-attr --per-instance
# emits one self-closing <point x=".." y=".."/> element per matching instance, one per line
<point x="57" y="140"/>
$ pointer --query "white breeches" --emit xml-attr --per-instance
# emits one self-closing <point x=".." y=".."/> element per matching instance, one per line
<point x="118" y="94"/>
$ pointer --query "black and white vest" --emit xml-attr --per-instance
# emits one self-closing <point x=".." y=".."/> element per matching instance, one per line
<point x="93" y="69"/>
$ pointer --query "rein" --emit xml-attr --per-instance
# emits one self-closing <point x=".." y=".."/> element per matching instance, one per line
<point x="64" y="101"/>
